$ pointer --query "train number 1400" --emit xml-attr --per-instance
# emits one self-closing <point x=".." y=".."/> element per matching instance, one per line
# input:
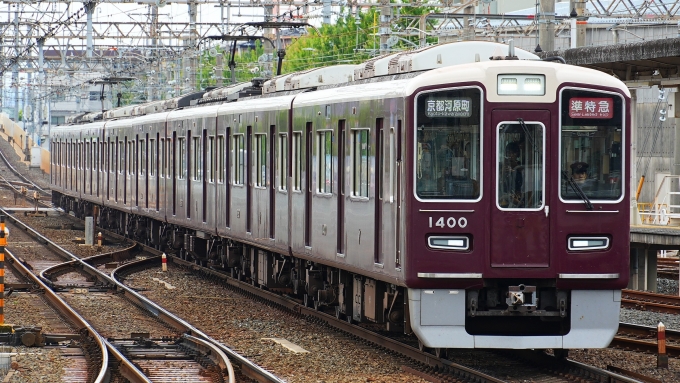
<point x="451" y="222"/>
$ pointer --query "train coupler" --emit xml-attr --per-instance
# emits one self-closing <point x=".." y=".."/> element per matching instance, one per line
<point x="522" y="298"/>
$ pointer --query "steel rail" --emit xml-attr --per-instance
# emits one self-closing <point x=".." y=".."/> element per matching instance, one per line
<point x="127" y="369"/>
<point x="249" y="368"/>
<point x="16" y="172"/>
<point x="392" y="345"/>
<point x="643" y="300"/>
<point x="148" y="305"/>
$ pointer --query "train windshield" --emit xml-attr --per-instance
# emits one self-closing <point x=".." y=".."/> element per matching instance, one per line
<point x="591" y="145"/>
<point x="520" y="165"/>
<point x="448" y="144"/>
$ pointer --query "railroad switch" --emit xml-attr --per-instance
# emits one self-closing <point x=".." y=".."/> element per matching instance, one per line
<point x="30" y="336"/>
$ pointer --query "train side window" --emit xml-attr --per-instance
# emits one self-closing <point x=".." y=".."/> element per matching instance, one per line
<point x="239" y="159"/>
<point x="132" y="160"/>
<point x="360" y="163"/>
<point x="325" y="162"/>
<point x="591" y="145"/>
<point x="181" y="158"/>
<point x="142" y="157"/>
<point x="210" y="163"/>
<point x="282" y="161"/>
<point x="152" y="157"/>
<point x="163" y="158"/>
<point x="220" y="159"/>
<point x="88" y="149"/>
<point x="112" y="154"/>
<point x="297" y="161"/>
<point x="196" y="158"/>
<point x="79" y="155"/>
<point x="97" y="160"/>
<point x="260" y="149"/>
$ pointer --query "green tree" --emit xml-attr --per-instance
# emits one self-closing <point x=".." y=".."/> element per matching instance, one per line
<point x="348" y="41"/>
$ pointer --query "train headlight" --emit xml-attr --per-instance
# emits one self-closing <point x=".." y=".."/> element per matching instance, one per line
<point x="587" y="243"/>
<point x="521" y="85"/>
<point x="453" y="242"/>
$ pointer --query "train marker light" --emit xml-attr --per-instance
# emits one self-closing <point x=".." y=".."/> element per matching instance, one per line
<point x="521" y="85"/>
<point x="587" y="243"/>
<point x="460" y="243"/>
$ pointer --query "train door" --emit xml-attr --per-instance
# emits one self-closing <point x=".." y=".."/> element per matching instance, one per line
<point x="520" y="232"/>
<point x="260" y="194"/>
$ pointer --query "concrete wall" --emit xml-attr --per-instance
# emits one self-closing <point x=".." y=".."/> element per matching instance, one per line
<point x="12" y="132"/>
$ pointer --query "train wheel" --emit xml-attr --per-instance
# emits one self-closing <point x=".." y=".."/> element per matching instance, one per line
<point x="561" y="353"/>
<point x="308" y="301"/>
<point x="441" y="352"/>
<point x="422" y="347"/>
<point x="338" y="314"/>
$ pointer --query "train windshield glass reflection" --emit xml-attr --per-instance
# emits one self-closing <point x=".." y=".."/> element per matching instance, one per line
<point x="448" y="144"/>
<point x="591" y="144"/>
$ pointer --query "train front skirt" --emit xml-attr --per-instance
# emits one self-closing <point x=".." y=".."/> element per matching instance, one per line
<point x="594" y="316"/>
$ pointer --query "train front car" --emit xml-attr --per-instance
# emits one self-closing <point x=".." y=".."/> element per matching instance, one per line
<point x="518" y="220"/>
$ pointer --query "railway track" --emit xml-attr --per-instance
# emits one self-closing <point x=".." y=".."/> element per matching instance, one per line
<point x="667" y="267"/>
<point x="459" y="365"/>
<point x="642" y="300"/>
<point x="82" y="280"/>
<point x="639" y="338"/>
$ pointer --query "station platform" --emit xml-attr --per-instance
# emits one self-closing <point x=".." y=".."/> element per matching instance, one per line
<point x="645" y="243"/>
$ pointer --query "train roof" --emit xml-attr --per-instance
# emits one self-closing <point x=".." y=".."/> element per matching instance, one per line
<point x="472" y="58"/>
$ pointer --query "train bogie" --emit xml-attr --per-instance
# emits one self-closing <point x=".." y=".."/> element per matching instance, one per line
<point x="476" y="203"/>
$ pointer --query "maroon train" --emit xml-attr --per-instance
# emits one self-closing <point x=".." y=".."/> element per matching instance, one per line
<point x="436" y="191"/>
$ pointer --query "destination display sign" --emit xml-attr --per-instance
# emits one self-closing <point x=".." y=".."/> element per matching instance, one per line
<point x="590" y="107"/>
<point x="449" y="107"/>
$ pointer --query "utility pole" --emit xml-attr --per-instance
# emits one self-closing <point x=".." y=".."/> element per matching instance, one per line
<point x="89" y="8"/>
<point x="546" y="25"/>
<point x="15" y="67"/>
<point x="155" y="54"/>
<point x="193" y="10"/>
<point x="578" y="34"/>
<point x="385" y="26"/>
<point x="268" y="33"/>
<point x="41" y="83"/>
<point x="326" y="11"/>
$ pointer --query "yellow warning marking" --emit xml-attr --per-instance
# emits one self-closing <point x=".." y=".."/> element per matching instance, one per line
<point x="167" y="285"/>
<point x="287" y="344"/>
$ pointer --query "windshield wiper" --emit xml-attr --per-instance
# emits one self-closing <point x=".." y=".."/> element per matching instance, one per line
<point x="577" y="189"/>
<point x="527" y="134"/>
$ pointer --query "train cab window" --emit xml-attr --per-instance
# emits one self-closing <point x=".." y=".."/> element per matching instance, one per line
<point x="360" y="163"/>
<point x="260" y="148"/>
<point x="448" y="146"/>
<point x="282" y="161"/>
<point x="591" y="142"/>
<point x="520" y="165"/>
<point x="220" y="159"/>
<point x="181" y="158"/>
<point x="239" y="159"/>
<point x="297" y="161"/>
<point x="325" y="159"/>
